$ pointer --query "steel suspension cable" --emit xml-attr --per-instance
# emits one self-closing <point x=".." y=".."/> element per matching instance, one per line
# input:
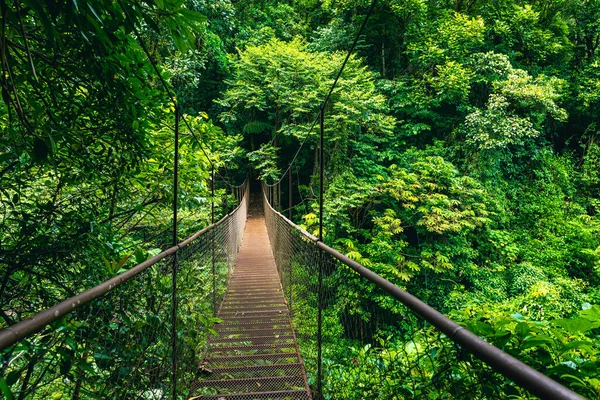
<point x="332" y="88"/>
<point x="360" y="30"/>
<point x="429" y="361"/>
<point x="171" y="95"/>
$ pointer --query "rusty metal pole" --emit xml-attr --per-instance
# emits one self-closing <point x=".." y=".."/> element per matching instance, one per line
<point x="321" y="259"/>
<point x="212" y="221"/>
<point x="174" y="266"/>
<point x="279" y="197"/>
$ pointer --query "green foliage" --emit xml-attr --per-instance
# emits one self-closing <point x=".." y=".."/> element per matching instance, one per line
<point x="461" y="162"/>
<point x="449" y="37"/>
<point x="86" y="172"/>
<point x="278" y="85"/>
<point x="476" y="185"/>
<point x="564" y="349"/>
<point x="265" y="160"/>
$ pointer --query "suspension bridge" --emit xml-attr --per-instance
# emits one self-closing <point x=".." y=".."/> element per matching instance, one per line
<point x="276" y="292"/>
<point x="280" y="307"/>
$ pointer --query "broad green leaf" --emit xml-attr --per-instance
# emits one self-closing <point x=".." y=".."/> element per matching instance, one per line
<point x="6" y="390"/>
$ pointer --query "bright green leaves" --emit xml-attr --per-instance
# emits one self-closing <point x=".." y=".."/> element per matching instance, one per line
<point x="535" y="98"/>
<point x="495" y="128"/>
<point x="452" y="83"/>
<point x="590" y="174"/>
<point x="564" y="349"/>
<point x="448" y="38"/>
<point x="388" y="223"/>
<point x="438" y="92"/>
<point x="587" y="320"/>
<point x="265" y="160"/>
<point x="386" y="249"/>
<point x="277" y="81"/>
<point x="276" y="90"/>
<point x="444" y="201"/>
<point x="588" y="90"/>
<point x="518" y="108"/>
<point x="440" y="206"/>
<point x="525" y="30"/>
<point x="115" y="267"/>
<point x="421" y="213"/>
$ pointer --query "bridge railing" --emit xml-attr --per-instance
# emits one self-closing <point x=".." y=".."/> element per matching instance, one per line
<point x="115" y="341"/>
<point x="392" y="347"/>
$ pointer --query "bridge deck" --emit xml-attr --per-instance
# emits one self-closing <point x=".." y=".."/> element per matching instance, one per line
<point x="255" y="355"/>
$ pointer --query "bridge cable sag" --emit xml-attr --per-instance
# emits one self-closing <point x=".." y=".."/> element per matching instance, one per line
<point x="331" y="89"/>
<point x="447" y="368"/>
<point x="520" y="373"/>
<point x="231" y="223"/>
<point x="172" y="97"/>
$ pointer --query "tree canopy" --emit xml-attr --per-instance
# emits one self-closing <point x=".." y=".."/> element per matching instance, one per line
<point x="461" y="152"/>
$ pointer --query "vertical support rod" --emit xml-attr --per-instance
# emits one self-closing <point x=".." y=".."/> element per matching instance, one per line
<point x="321" y="259"/>
<point x="279" y="197"/>
<point x="290" y="259"/>
<point x="174" y="266"/>
<point x="226" y="200"/>
<point x="290" y="193"/>
<point x="212" y="221"/>
<point x="321" y="170"/>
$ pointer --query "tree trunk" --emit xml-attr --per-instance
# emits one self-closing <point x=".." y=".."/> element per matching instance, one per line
<point x="383" y="59"/>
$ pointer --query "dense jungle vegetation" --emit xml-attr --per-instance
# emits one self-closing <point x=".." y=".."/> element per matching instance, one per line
<point x="462" y="151"/>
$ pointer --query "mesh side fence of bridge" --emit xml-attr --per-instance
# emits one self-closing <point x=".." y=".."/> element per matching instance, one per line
<point x="119" y="345"/>
<point x="373" y="347"/>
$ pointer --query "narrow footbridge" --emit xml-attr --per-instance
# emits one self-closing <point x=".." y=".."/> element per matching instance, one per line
<point x="253" y="307"/>
<point x="255" y="354"/>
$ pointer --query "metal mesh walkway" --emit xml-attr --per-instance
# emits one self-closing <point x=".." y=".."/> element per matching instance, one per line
<point x="255" y="355"/>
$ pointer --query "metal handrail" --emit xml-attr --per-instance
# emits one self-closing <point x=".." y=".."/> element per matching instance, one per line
<point x="523" y="375"/>
<point x="36" y="323"/>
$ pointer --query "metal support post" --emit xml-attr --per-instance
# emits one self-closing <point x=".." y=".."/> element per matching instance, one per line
<point x="321" y="259"/>
<point x="212" y="221"/>
<point x="290" y="193"/>
<point x="174" y="266"/>
<point x="226" y="200"/>
<point x="290" y="259"/>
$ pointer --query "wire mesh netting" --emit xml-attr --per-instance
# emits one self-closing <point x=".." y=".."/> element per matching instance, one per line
<point x="116" y="346"/>
<point x="254" y="355"/>
<point x="119" y="346"/>
<point x="372" y="345"/>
